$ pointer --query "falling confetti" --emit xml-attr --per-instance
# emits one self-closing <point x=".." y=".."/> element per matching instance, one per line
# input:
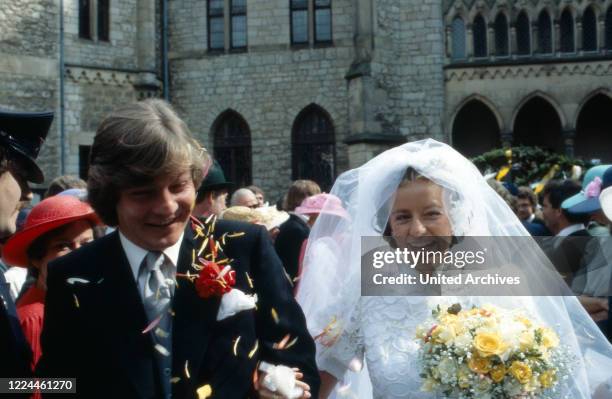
<point x="275" y="315"/>
<point x="162" y="350"/>
<point x="76" y="301"/>
<point x="73" y="280"/>
<point x="236" y="346"/>
<point x="290" y="344"/>
<point x="161" y="333"/>
<point x="174" y="380"/>
<point x="152" y="325"/>
<point x="204" y="391"/>
<point x="282" y="343"/>
<point x="355" y="365"/>
<point x="187" y="369"/>
<point x="254" y="350"/>
<point x="249" y="280"/>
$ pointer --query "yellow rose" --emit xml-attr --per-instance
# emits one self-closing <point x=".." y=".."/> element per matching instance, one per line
<point x="547" y="379"/>
<point x="521" y="371"/>
<point x="526" y="340"/>
<point x="498" y="373"/>
<point x="480" y="365"/>
<point x="443" y="333"/>
<point x="549" y="338"/>
<point x="489" y="344"/>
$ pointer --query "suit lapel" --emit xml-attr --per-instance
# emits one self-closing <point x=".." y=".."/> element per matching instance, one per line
<point x="194" y="317"/>
<point x="126" y="320"/>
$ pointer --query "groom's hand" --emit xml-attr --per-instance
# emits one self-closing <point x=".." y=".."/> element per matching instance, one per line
<point x="265" y="393"/>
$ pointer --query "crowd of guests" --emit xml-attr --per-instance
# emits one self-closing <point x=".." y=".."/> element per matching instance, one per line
<point x="571" y="222"/>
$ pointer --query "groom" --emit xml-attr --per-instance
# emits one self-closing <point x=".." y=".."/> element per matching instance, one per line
<point x="126" y="315"/>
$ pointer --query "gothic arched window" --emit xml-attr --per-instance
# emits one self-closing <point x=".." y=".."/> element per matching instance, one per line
<point x="589" y="30"/>
<point x="479" y="31"/>
<point x="544" y="33"/>
<point x="501" y="35"/>
<point x="458" y="38"/>
<point x="232" y="147"/>
<point x="567" y="32"/>
<point x="313" y="147"/>
<point x="523" y="34"/>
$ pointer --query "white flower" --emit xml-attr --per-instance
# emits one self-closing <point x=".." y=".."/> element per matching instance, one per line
<point x="280" y="379"/>
<point x="235" y="301"/>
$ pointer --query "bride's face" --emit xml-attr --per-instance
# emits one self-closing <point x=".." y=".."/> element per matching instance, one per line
<point x="418" y="217"/>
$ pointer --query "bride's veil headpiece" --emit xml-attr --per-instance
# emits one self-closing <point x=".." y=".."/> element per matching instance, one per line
<point x="329" y="289"/>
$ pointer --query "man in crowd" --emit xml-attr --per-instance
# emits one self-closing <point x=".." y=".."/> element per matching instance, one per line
<point x="244" y="197"/>
<point x="526" y="204"/>
<point x="130" y="315"/>
<point x="212" y="194"/>
<point x="259" y="194"/>
<point x="21" y="135"/>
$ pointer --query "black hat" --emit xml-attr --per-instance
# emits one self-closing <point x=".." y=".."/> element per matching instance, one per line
<point x="22" y="134"/>
<point x="215" y="179"/>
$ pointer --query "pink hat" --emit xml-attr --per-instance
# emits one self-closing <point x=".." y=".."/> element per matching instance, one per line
<point x="324" y="203"/>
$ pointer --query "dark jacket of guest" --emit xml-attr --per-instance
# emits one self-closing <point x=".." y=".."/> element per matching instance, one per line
<point x="15" y="354"/>
<point x="289" y="242"/>
<point x="94" y="331"/>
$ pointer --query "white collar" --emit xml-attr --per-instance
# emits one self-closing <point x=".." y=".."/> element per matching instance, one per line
<point x="136" y="254"/>
<point x="570" y="229"/>
<point x="530" y="218"/>
<point x="300" y="216"/>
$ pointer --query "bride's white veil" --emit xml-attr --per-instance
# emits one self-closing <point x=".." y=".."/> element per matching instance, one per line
<point x="330" y="287"/>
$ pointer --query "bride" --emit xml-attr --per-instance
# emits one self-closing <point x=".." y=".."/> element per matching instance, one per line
<point x="419" y="194"/>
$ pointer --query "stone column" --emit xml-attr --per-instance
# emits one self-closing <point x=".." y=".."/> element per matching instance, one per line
<point x="366" y="138"/>
<point x="147" y="83"/>
<point x="569" y="136"/>
<point x="506" y="138"/>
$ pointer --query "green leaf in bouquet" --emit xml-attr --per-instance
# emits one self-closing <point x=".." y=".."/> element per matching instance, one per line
<point x="454" y="309"/>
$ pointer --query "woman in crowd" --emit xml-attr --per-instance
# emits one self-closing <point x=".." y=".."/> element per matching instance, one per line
<point x="54" y="227"/>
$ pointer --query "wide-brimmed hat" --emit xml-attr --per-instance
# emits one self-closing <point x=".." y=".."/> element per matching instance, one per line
<point x="322" y="203"/>
<point x="605" y="198"/>
<point x="587" y="200"/>
<point x="215" y="179"/>
<point x="23" y="133"/>
<point x="270" y="217"/>
<point x="47" y="215"/>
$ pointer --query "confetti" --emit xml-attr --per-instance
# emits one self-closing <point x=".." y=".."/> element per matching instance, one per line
<point x="152" y="325"/>
<point x="187" y="369"/>
<point x="249" y="280"/>
<point x="290" y="344"/>
<point x="236" y="346"/>
<point x="161" y="333"/>
<point x="282" y="343"/>
<point x="204" y="243"/>
<point x="234" y="235"/>
<point x="274" y="315"/>
<point x="73" y="280"/>
<point x="76" y="301"/>
<point x="204" y="391"/>
<point x="162" y="350"/>
<point x="254" y="350"/>
<point x="174" y="380"/>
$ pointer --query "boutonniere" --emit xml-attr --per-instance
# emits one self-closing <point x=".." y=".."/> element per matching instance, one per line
<point x="214" y="276"/>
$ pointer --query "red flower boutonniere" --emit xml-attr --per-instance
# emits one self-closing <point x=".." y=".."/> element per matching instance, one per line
<point x="213" y="280"/>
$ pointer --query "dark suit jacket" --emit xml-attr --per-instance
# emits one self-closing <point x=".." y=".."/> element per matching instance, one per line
<point x="289" y="242"/>
<point x="567" y="253"/>
<point x="100" y="340"/>
<point x="15" y="353"/>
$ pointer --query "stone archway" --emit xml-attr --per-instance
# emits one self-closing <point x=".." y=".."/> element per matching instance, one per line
<point x="475" y="129"/>
<point x="537" y="123"/>
<point x="594" y="129"/>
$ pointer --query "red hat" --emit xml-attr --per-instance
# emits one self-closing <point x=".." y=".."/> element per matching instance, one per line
<point x="47" y="215"/>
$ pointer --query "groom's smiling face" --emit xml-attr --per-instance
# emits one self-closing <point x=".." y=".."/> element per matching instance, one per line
<point x="418" y="217"/>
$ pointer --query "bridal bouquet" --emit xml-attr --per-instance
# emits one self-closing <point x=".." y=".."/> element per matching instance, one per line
<point x="489" y="352"/>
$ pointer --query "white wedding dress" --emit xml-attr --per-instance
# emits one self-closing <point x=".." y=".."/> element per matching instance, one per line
<point x="385" y="334"/>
